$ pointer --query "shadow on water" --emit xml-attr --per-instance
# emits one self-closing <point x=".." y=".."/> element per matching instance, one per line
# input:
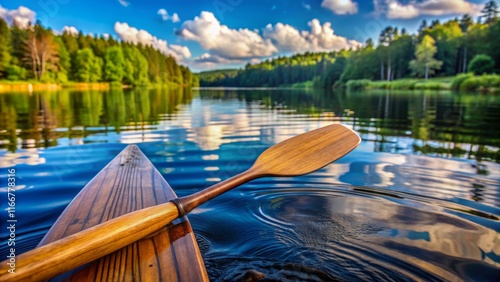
<point x="417" y="200"/>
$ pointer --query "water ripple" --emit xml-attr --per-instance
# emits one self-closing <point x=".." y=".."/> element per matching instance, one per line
<point x="352" y="233"/>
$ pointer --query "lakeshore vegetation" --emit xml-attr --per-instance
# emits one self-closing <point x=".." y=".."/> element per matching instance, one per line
<point x="37" y="55"/>
<point x="461" y="53"/>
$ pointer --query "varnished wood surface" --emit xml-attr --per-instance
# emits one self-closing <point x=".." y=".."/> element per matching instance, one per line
<point x="305" y="153"/>
<point x="129" y="183"/>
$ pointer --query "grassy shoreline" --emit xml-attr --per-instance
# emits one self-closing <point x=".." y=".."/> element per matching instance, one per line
<point x="40" y="86"/>
<point x="461" y="82"/>
<point x="29" y="86"/>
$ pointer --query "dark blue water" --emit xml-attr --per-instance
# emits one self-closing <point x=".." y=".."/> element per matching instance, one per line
<point x="417" y="200"/>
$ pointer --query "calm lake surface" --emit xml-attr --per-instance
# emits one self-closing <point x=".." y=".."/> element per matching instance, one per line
<point x="419" y="199"/>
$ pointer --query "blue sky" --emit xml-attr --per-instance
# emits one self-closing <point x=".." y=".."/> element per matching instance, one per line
<point x="230" y="33"/>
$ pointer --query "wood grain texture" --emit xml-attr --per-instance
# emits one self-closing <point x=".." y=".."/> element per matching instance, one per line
<point x="298" y="155"/>
<point x="129" y="183"/>
<point x="307" y="152"/>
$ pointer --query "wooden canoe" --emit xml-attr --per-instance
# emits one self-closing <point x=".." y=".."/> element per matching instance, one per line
<point x="130" y="182"/>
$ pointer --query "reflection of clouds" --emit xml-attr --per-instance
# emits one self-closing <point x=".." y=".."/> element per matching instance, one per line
<point x="394" y="159"/>
<point x="27" y="156"/>
<point x="168" y="134"/>
<point x="426" y="176"/>
<point x="139" y="137"/>
<point x="289" y="130"/>
<point x="435" y="231"/>
<point x="209" y="124"/>
<point x="211" y="157"/>
<point x="438" y="232"/>
<point x="335" y="170"/>
<point x="208" y="138"/>
<point x="17" y="187"/>
<point x="363" y="228"/>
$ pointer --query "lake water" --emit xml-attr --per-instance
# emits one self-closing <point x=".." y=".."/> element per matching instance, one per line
<point x="419" y="199"/>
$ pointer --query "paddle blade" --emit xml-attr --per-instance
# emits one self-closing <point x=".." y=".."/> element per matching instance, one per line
<point x="307" y="152"/>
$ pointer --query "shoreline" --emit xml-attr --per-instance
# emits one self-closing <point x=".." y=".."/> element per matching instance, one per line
<point x="35" y="86"/>
<point x="31" y="86"/>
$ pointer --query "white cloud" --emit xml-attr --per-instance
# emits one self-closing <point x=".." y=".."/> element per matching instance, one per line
<point x="163" y="13"/>
<point x="395" y="10"/>
<point x="223" y="41"/>
<point x="399" y="11"/>
<point x="165" y="16"/>
<point x="22" y="16"/>
<point x="319" y="38"/>
<point x="124" y="3"/>
<point x="208" y="59"/>
<point x="70" y="30"/>
<point x="182" y="50"/>
<point x="175" y="18"/>
<point x="285" y="36"/>
<point x="444" y="7"/>
<point x="134" y="35"/>
<point x="341" y="7"/>
<point x="236" y="46"/>
<point x="306" y="6"/>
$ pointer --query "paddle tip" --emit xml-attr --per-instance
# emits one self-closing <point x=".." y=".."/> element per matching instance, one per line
<point x="307" y="152"/>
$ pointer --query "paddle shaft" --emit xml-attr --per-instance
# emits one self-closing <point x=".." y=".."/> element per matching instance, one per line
<point x="188" y="203"/>
<point x="90" y="244"/>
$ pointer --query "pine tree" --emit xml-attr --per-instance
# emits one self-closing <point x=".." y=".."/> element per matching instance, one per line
<point x="490" y="11"/>
<point x="5" y="47"/>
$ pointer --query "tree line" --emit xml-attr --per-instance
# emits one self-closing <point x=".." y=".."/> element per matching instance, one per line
<point x="36" y="53"/>
<point x="440" y="49"/>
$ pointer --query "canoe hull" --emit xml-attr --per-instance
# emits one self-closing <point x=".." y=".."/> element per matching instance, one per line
<point x="128" y="183"/>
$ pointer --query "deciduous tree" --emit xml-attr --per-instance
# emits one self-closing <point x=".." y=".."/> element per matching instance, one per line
<point x="41" y="52"/>
<point x="425" y="64"/>
<point x="114" y="63"/>
<point x="481" y="64"/>
<point x="87" y="67"/>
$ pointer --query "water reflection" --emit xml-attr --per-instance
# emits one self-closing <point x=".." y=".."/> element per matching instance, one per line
<point x="447" y="125"/>
<point x="76" y="117"/>
<point x="417" y="200"/>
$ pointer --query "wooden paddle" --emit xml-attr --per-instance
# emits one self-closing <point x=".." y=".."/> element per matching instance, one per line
<point x="299" y="155"/>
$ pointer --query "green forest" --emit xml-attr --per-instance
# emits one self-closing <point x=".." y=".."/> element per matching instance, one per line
<point x="439" y="49"/>
<point x="37" y="54"/>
